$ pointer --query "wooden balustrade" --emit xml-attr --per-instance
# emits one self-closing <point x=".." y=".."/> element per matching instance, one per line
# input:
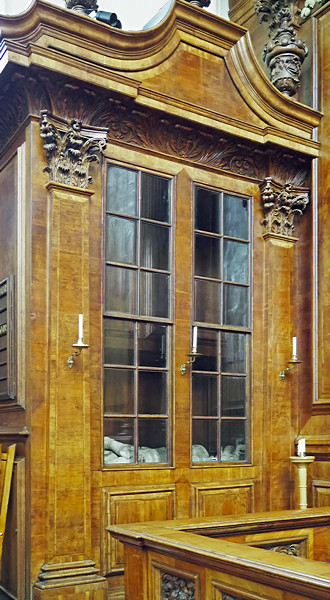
<point x="229" y="559"/>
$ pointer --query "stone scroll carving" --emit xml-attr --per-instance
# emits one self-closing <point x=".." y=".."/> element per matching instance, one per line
<point x="281" y="203"/>
<point x="284" y="52"/>
<point x="69" y="154"/>
<point x="177" y="588"/>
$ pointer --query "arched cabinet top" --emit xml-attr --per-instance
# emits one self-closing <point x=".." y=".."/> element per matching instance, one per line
<point x="193" y="65"/>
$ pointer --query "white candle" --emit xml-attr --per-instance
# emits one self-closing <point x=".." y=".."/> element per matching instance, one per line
<point x="80" y="327"/>
<point x="301" y="447"/>
<point x="294" y="346"/>
<point x="194" y="344"/>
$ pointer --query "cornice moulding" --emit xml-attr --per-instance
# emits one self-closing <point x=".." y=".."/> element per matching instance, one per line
<point x="264" y="98"/>
<point x="61" y="41"/>
<point x="42" y="17"/>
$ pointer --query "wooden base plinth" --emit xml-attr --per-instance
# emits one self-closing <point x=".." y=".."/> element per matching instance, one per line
<point x="78" y="580"/>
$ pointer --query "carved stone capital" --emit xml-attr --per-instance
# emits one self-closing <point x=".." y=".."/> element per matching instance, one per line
<point x="69" y="153"/>
<point x="284" y="52"/>
<point x="281" y="203"/>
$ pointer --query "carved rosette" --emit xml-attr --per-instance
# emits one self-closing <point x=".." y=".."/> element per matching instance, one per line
<point x="284" y="53"/>
<point x="177" y="588"/>
<point x="281" y="203"/>
<point x="69" y="154"/>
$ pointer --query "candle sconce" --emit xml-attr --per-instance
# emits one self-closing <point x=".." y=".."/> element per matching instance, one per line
<point x="294" y="361"/>
<point x="193" y="356"/>
<point x="79" y="345"/>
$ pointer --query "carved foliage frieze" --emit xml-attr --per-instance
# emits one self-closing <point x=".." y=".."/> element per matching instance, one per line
<point x="281" y="204"/>
<point x="177" y="588"/>
<point x="69" y="154"/>
<point x="177" y="139"/>
<point x="149" y="130"/>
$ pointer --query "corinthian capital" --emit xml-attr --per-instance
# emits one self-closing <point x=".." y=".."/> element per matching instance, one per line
<point x="69" y="153"/>
<point x="281" y="203"/>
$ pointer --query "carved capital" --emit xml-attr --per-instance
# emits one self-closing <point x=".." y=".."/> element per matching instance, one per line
<point x="281" y="203"/>
<point x="69" y="154"/>
<point x="284" y="52"/>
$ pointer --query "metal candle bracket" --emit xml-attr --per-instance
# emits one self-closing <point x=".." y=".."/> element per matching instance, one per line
<point x="193" y="356"/>
<point x="79" y="345"/>
<point x="294" y="361"/>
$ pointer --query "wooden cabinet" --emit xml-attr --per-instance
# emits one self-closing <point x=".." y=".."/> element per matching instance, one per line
<point x="174" y="246"/>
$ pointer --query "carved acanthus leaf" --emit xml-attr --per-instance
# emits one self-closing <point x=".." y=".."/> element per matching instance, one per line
<point x="177" y="588"/>
<point x="281" y="204"/>
<point x="70" y="154"/>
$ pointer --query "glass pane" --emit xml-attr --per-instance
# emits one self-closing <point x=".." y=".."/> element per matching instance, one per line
<point x="121" y="240"/>
<point x="122" y="191"/>
<point x="152" y="393"/>
<point x="204" y="395"/>
<point x="207" y="256"/>
<point x="3" y="302"/>
<point x="207" y="344"/>
<point x="152" y="345"/>
<point x="154" y="246"/>
<point x="207" y="301"/>
<point x="118" y="391"/>
<point x="118" y="342"/>
<point x="235" y="261"/>
<point x="233" y="352"/>
<point x="3" y="341"/>
<point x="204" y="440"/>
<point x="233" y="440"/>
<point x="155" y="197"/>
<point x="207" y="211"/>
<point x="118" y="441"/>
<point x="154" y="294"/>
<point x="153" y="440"/>
<point x="233" y="397"/>
<point x="236" y="217"/>
<point x="235" y="305"/>
<point x="3" y="371"/>
<point x="120" y="290"/>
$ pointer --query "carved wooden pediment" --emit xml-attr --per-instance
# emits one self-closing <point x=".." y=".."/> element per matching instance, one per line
<point x="192" y="66"/>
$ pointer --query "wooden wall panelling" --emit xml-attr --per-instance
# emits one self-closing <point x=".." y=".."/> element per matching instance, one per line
<point x="13" y="574"/>
<point x="130" y="505"/>
<point x="324" y="218"/>
<point x="321" y="493"/>
<point x="279" y="329"/>
<point x="69" y="436"/>
<point x="225" y="498"/>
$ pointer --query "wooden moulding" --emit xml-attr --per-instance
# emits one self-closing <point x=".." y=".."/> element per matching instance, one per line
<point x="132" y="63"/>
<point x="78" y="580"/>
<point x="176" y="547"/>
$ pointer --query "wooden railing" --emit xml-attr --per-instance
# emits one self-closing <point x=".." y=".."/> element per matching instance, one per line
<point x="229" y="558"/>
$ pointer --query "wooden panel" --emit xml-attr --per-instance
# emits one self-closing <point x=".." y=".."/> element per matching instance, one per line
<point x="174" y="582"/>
<point x="129" y="505"/>
<point x="321" y="493"/>
<point x="13" y="557"/>
<point x="324" y="217"/>
<point x="227" y="498"/>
